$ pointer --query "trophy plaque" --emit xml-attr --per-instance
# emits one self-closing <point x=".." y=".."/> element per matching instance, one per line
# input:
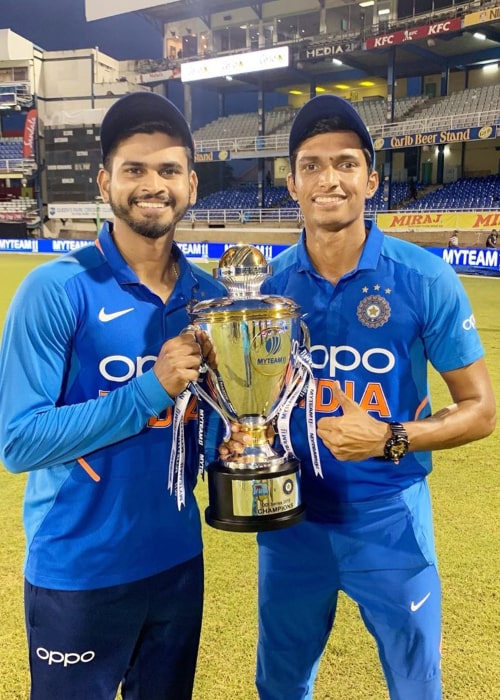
<point x="257" y="378"/>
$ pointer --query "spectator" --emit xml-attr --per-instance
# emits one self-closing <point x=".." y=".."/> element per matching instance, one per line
<point x="491" y="241"/>
<point x="413" y="188"/>
<point x="453" y="240"/>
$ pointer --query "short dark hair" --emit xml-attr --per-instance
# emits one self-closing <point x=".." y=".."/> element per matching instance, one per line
<point x="146" y="128"/>
<point x="326" y="126"/>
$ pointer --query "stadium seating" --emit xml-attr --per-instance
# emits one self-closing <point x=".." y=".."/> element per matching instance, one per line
<point x="469" y="101"/>
<point x="11" y="148"/>
<point x="277" y="197"/>
<point x="465" y="193"/>
<point x="20" y="204"/>
<point x="246" y="198"/>
<point x="374" y="111"/>
<point x="278" y="121"/>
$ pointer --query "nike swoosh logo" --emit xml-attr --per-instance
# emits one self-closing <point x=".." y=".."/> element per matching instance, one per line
<point x="105" y="317"/>
<point x="416" y="606"/>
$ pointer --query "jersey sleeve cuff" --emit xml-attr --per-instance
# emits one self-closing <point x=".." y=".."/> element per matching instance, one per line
<point x="154" y="393"/>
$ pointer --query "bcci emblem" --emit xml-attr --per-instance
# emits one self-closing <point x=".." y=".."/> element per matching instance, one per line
<point x="373" y="311"/>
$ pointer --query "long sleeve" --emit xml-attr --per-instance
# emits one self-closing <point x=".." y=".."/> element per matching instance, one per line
<point x="36" y="366"/>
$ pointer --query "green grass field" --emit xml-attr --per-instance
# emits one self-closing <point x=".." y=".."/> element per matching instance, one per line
<point x="465" y="486"/>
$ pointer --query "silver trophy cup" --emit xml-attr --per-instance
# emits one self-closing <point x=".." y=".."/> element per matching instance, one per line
<point x="256" y="338"/>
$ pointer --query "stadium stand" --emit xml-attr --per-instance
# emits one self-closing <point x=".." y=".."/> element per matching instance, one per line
<point x="466" y="193"/>
<point x="249" y="142"/>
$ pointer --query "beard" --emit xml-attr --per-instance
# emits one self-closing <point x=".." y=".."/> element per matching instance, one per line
<point x="148" y="228"/>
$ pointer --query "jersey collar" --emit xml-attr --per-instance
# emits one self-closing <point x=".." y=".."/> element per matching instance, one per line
<point x="105" y="243"/>
<point x="369" y="257"/>
<point x="188" y="283"/>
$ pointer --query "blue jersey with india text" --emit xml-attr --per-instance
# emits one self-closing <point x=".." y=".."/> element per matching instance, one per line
<point x="374" y="333"/>
<point x="82" y="412"/>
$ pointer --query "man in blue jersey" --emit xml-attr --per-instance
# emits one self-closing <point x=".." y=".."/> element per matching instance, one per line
<point x="92" y="359"/>
<point x="378" y="310"/>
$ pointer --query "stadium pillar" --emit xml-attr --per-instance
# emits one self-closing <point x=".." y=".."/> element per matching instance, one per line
<point x="440" y="164"/>
<point x="322" y="18"/>
<point x="262" y="37"/>
<point x="261" y="163"/>
<point x="445" y="76"/>
<point x="188" y="103"/>
<point x="387" y="172"/>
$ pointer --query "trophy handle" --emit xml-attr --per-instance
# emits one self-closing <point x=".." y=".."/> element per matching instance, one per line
<point x="196" y="389"/>
<point x="306" y="336"/>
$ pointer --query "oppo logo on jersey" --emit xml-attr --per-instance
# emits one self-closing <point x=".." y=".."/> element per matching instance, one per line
<point x="120" y="368"/>
<point x="346" y="358"/>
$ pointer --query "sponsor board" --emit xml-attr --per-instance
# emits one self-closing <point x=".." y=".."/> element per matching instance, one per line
<point x="434" y="138"/>
<point x="482" y="17"/>
<point x="471" y="260"/>
<point x="237" y="64"/>
<point x="414" y="221"/>
<point x="194" y="250"/>
<point x="212" y="156"/>
<point x="328" y="51"/>
<point x="405" y="35"/>
<point x="79" y="210"/>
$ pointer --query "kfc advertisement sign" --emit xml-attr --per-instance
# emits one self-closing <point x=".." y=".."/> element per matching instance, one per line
<point x="405" y="35"/>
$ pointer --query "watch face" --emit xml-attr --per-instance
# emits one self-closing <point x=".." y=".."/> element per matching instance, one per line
<point x="397" y="445"/>
<point x="398" y="450"/>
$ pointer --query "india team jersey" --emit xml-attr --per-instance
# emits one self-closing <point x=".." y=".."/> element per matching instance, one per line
<point x="374" y="333"/>
<point x="79" y="344"/>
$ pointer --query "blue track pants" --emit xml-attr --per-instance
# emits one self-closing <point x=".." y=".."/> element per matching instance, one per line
<point x="381" y="554"/>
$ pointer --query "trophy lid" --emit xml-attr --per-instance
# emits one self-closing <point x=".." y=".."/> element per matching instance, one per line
<point x="256" y="308"/>
<point x="242" y="270"/>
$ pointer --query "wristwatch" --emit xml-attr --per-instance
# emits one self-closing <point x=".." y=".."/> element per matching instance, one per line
<point x="397" y="445"/>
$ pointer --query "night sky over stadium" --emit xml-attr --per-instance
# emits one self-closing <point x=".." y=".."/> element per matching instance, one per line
<point x="57" y="25"/>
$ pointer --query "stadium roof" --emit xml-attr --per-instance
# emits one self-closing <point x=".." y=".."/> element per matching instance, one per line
<point x="429" y="44"/>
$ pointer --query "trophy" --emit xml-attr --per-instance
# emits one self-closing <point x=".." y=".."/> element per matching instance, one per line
<point x="262" y="370"/>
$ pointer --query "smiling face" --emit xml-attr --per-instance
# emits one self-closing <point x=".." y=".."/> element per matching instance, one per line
<point x="332" y="181"/>
<point x="149" y="184"/>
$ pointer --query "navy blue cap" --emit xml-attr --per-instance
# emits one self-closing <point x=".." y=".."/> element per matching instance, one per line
<point x="137" y="108"/>
<point x="327" y="107"/>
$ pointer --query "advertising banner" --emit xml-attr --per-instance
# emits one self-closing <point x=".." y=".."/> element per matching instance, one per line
<point x="212" y="156"/>
<point x="432" y="220"/>
<point x="480" y="261"/>
<point x="158" y="76"/>
<point x="236" y="64"/>
<point x="57" y="246"/>
<point x="29" y="134"/>
<point x="313" y="53"/>
<point x="79" y="210"/>
<point x="404" y="35"/>
<point x="433" y="138"/>
<point x="482" y="16"/>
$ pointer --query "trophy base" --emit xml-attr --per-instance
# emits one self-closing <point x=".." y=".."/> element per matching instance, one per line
<point x="254" y="499"/>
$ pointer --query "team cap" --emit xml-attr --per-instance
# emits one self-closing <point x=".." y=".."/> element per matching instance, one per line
<point x="137" y="108"/>
<point x="326" y="107"/>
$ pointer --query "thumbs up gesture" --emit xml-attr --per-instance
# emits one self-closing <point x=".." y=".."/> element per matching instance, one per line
<point x="355" y="435"/>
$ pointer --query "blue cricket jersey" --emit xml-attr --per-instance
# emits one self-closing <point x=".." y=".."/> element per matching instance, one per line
<point x="374" y="333"/>
<point x="80" y="340"/>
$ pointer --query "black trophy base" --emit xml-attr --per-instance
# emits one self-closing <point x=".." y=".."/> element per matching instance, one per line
<point x="254" y="499"/>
